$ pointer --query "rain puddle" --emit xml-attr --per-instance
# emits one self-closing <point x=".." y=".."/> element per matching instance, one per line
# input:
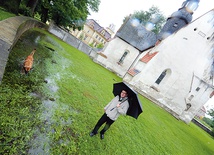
<point x="41" y="142"/>
<point x="42" y="139"/>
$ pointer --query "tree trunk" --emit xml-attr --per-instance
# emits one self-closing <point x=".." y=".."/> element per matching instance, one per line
<point x="44" y="15"/>
<point x="32" y="4"/>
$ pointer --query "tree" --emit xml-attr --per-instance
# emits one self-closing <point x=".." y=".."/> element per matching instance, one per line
<point x="211" y="113"/>
<point x="32" y="5"/>
<point x="66" y="13"/>
<point x="11" y="5"/>
<point x="100" y="45"/>
<point x="154" y="15"/>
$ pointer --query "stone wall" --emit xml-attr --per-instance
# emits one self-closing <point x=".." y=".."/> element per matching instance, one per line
<point x="11" y="29"/>
<point x="202" y="126"/>
<point x="71" y="40"/>
<point x="28" y="24"/>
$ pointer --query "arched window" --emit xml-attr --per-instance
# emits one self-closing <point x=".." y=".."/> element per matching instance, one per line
<point x="123" y="57"/>
<point x="160" y="78"/>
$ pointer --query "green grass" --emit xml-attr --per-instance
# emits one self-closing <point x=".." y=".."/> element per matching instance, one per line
<point x="70" y="91"/>
<point x="4" y="14"/>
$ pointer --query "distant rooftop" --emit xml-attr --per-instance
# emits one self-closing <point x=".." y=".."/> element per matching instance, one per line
<point x="92" y="23"/>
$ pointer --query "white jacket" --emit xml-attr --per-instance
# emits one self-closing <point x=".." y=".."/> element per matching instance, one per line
<point x="111" y="109"/>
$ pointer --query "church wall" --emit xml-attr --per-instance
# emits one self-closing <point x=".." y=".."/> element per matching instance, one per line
<point x="113" y="53"/>
<point x="186" y="54"/>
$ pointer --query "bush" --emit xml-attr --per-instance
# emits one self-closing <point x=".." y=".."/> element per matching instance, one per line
<point x="24" y="10"/>
<point x="11" y="5"/>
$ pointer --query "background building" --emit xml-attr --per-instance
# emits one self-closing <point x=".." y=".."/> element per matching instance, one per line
<point x="93" y="34"/>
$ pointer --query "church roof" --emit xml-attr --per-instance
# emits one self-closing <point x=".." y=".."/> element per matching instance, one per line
<point x="136" y="36"/>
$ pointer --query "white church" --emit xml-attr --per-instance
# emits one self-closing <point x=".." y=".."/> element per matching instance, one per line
<point x="175" y="68"/>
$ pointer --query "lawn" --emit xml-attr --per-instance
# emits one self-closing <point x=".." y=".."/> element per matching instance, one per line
<point x="4" y="14"/>
<point x="53" y="110"/>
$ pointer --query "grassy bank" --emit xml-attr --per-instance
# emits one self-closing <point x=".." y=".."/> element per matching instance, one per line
<point x="4" y="14"/>
<point x="53" y="110"/>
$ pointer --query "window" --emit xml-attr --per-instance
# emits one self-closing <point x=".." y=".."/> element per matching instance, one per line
<point x="103" y="32"/>
<point x="91" y="24"/>
<point x="197" y="89"/>
<point x="85" y="37"/>
<point x="123" y="57"/>
<point x="160" y="78"/>
<point x="191" y="97"/>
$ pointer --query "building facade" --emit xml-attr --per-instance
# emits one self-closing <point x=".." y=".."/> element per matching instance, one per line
<point x="174" y="68"/>
<point x="92" y="34"/>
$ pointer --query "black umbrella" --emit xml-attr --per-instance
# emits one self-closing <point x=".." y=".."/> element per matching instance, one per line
<point x="135" y="106"/>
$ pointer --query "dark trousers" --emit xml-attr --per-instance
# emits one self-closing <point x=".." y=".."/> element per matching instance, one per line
<point x="101" y="121"/>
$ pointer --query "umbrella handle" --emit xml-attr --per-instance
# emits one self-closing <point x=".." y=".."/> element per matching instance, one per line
<point x="112" y="109"/>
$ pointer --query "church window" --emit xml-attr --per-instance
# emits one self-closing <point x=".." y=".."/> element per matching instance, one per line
<point x="202" y="34"/>
<point x="160" y="78"/>
<point x="197" y="89"/>
<point x="123" y="57"/>
<point x="190" y="98"/>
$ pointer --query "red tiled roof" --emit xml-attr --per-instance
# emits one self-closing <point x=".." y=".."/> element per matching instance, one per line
<point x="148" y="57"/>
<point x="133" y="71"/>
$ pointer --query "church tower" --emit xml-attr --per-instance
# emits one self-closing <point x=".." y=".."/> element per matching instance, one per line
<point x="179" y="19"/>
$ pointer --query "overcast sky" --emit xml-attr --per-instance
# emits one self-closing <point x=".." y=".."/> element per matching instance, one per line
<point x="114" y="11"/>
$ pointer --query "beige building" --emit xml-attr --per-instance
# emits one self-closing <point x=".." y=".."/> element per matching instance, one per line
<point x="93" y="33"/>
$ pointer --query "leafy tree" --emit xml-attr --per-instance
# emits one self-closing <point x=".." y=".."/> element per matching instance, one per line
<point x="153" y="15"/>
<point x="32" y="5"/>
<point x="209" y="122"/>
<point x="211" y="113"/>
<point x="11" y="5"/>
<point x="66" y="13"/>
<point x="100" y="45"/>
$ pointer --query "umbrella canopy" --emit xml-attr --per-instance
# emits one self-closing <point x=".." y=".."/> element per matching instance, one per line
<point x="135" y="106"/>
